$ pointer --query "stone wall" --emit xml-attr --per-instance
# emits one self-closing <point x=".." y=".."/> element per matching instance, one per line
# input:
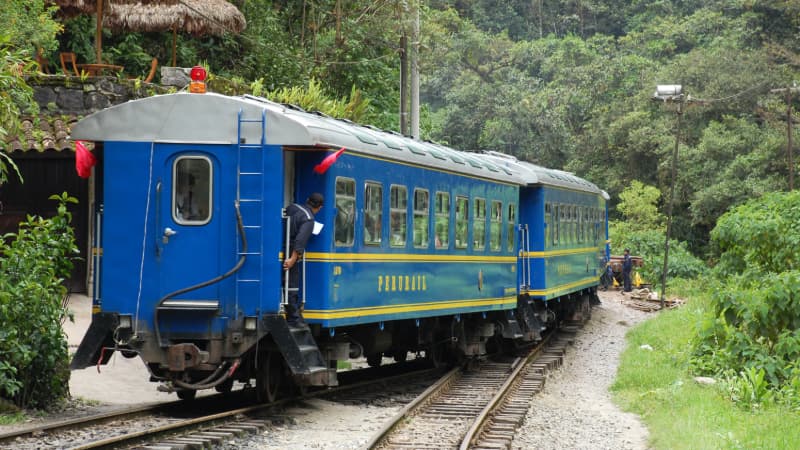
<point x="58" y="94"/>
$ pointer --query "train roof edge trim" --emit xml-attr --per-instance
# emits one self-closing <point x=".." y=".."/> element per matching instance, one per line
<point x="533" y="174"/>
<point x="211" y="118"/>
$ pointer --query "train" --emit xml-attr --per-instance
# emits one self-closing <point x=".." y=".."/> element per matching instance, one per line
<point x="423" y="250"/>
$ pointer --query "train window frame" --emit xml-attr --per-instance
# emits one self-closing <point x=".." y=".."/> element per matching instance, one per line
<point x="441" y="217"/>
<point x="479" y="224"/>
<point x="462" y="222"/>
<point x="345" y="215"/>
<point x="398" y="215"/>
<point x="182" y="194"/>
<point x="373" y="236"/>
<point x="511" y="225"/>
<point x="422" y="210"/>
<point x="496" y="226"/>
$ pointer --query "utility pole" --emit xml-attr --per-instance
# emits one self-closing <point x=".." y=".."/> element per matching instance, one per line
<point x="404" y="84"/>
<point x="415" y="74"/>
<point x="789" y="148"/>
<point x="672" y="93"/>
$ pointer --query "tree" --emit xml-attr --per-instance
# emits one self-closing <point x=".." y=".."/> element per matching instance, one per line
<point x="28" y="27"/>
<point x="638" y="206"/>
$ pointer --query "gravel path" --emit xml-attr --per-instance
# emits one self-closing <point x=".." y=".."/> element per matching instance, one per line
<point x="575" y="411"/>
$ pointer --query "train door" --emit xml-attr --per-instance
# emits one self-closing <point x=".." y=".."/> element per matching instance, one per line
<point x="187" y="223"/>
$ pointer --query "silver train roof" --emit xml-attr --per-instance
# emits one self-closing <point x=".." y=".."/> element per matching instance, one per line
<point x="209" y="119"/>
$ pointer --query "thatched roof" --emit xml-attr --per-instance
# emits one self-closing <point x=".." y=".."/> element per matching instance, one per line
<point x="191" y="16"/>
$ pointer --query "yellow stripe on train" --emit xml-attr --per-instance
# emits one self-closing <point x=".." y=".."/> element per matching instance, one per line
<point x="397" y="309"/>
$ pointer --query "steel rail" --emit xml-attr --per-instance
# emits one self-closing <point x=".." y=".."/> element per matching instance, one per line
<point x="87" y="420"/>
<point x="149" y="409"/>
<point x="501" y="395"/>
<point x="418" y="402"/>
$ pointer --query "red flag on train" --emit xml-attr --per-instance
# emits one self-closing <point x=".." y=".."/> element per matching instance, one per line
<point x="84" y="160"/>
<point x="328" y="161"/>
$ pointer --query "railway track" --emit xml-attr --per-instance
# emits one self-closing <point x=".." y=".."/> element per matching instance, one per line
<point x="477" y="408"/>
<point x="178" y="425"/>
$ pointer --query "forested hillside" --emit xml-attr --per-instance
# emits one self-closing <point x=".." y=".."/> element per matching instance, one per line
<point x="565" y="84"/>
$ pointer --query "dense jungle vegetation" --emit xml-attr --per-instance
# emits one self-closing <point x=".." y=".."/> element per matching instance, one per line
<point x="565" y="84"/>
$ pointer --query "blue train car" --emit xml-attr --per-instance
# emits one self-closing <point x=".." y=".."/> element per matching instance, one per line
<point x="424" y="249"/>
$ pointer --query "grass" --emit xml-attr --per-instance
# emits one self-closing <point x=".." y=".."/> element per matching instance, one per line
<point x="680" y="413"/>
<point x="11" y="418"/>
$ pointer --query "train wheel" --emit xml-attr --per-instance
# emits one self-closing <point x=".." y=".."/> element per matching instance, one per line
<point x="586" y="307"/>
<point x="186" y="394"/>
<point x="435" y="354"/>
<point x="225" y="386"/>
<point x="268" y="377"/>
<point x="400" y="355"/>
<point x="375" y="359"/>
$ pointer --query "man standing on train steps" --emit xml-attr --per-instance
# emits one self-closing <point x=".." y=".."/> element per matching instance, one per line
<point x="627" y="267"/>
<point x="301" y="228"/>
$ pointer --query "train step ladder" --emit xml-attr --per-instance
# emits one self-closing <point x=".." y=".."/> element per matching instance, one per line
<point x="250" y="199"/>
<point x="301" y="353"/>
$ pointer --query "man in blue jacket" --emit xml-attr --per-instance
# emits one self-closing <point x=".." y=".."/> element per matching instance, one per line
<point x="302" y="226"/>
<point x="627" y="267"/>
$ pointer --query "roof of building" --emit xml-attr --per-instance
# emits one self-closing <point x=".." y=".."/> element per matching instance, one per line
<point x="40" y="133"/>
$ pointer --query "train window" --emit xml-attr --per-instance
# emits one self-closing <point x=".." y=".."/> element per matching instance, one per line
<point x="442" y="225"/>
<point x="373" y="213"/>
<point x="512" y="221"/>
<point x="580" y="223"/>
<point x="495" y="230"/>
<point x="344" y="225"/>
<point x="462" y="221"/>
<point x="556" y="223"/>
<point x="192" y="178"/>
<point x="421" y="218"/>
<point x="571" y="219"/>
<point x="548" y="224"/>
<point x="587" y="224"/>
<point x="398" y="213"/>
<point x="479" y="226"/>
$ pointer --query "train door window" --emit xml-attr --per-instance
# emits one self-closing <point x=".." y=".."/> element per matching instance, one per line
<point x="373" y="213"/>
<point x="442" y="219"/>
<point x="192" y="181"/>
<point x="462" y="221"/>
<point x="495" y="227"/>
<point x="512" y="221"/>
<point x="398" y="213"/>
<point x="344" y="225"/>
<point x="421" y="218"/>
<point x="479" y="226"/>
<point x="581" y="223"/>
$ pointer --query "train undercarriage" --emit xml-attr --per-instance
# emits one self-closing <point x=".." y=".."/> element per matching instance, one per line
<point x="281" y="361"/>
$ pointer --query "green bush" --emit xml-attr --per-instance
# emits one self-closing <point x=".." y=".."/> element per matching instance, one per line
<point x="754" y="324"/>
<point x="34" y="360"/>
<point x="761" y="236"/>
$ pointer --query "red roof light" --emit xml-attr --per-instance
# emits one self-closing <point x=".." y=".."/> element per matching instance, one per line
<point x="198" y="73"/>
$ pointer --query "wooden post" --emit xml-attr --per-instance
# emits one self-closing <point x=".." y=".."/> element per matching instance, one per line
<point x="98" y="36"/>
<point x="789" y="146"/>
